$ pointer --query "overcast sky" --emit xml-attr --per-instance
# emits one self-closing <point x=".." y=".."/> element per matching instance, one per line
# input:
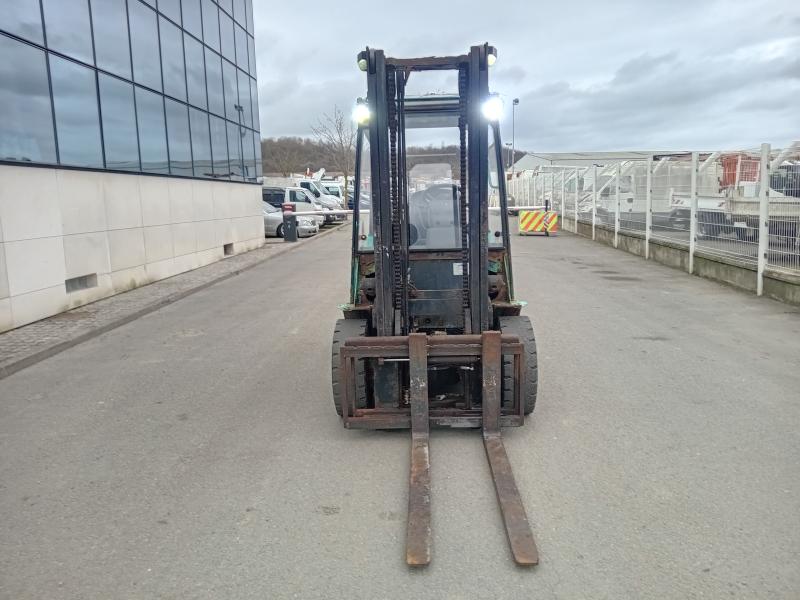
<point x="590" y="74"/>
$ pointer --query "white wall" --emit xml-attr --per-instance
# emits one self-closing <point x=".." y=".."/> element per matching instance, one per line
<point x="130" y="230"/>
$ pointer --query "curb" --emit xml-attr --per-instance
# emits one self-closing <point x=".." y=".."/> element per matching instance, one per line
<point x="40" y="355"/>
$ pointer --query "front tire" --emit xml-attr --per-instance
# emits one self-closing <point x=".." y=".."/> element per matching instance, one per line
<point x="279" y="231"/>
<point x="521" y="327"/>
<point x="345" y="329"/>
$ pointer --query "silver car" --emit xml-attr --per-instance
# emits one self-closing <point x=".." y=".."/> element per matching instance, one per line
<point x="273" y="222"/>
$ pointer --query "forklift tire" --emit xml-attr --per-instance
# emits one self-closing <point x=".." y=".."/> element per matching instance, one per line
<point x="522" y="328"/>
<point x="345" y="329"/>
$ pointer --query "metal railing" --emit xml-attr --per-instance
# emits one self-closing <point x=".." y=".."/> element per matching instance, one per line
<point x="740" y="206"/>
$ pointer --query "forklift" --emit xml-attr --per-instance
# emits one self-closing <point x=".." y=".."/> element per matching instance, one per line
<point x="432" y="335"/>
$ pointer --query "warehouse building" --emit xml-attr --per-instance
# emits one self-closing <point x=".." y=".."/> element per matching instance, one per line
<point x="129" y="146"/>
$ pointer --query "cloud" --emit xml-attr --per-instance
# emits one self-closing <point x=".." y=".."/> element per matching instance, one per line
<point x="590" y="75"/>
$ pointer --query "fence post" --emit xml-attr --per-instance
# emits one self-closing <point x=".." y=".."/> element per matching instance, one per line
<point x="648" y="207"/>
<point x="693" y="213"/>
<point x="563" y="189"/>
<point x="763" y="216"/>
<point x="616" y="208"/>
<point x="594" y="198"/>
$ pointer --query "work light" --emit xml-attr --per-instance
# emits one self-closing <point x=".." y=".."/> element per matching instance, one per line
<point x="493" y="108"/>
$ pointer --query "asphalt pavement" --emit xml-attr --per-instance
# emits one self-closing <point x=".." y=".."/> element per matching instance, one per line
<point x="195" y="452"/>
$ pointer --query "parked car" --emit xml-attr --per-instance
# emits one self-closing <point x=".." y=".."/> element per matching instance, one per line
<point x="273" y="223"/>
<point x="302" y="200"/>
<point x="322" y="196"/>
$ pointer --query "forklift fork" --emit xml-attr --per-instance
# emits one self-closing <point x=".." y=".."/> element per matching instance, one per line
<point x="489" y="348"/>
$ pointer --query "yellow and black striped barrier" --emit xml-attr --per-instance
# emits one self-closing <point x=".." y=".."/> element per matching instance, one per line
<point x="538" y="221"/>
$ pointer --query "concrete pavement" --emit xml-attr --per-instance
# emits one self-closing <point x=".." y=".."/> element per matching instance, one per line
<point x="195" y="453"/>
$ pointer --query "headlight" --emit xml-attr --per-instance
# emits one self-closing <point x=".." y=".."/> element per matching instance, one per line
<point x="361" y="113"/>
<point x="493" y="108"/>
<point x="305" y="222"/>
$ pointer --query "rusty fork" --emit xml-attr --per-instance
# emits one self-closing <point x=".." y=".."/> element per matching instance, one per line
<point x="518" y="530"/>
<point x="418" y="536"/>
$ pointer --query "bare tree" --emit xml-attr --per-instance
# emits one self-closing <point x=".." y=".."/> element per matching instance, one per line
<point x="338" y="136"/>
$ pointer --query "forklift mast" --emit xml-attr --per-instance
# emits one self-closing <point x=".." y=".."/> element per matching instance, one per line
<point x="386" y="84"/>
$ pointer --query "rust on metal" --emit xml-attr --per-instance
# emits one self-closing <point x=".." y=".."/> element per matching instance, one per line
<point x="418" y="536"/>
<point x="518" y="530"/>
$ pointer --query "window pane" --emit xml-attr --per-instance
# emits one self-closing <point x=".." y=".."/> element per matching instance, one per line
<point x="180" y="147"/>
<point x="152" y="135"/>
<point x="211" y="24"/>
<point x="23" y="18"/>
<point x="195" y="71"/>
<point x="216" y="101"/>
<point x="244" y="99"/>
<point x="254" y="102"/>
<point x="231" y="93"/>
<point x="239" y="12"/>
<point x="226" y="37"/>
<point x="227" y="5"/>
<point x="235" y="149"/>
<point x="110" y="25"/>
<point x="241" y="48"/>
<point x="67" y="25"/>
<point x="249" y="9"/>
<point x="77" y="121"/>
<point x="191" y="18"/>
<point x="219" y="146"/>
<point x="26" y="120"/>
<point x="171" y="9"/>
<point x="201" y="143"/>
<point x="251" y="55"/>
<point x="249" y="156"/>
<point x="259" y="166"/>
<point x="144" y="39"/>
<point x="119" y="124"/>
<point x="172" y="60"/>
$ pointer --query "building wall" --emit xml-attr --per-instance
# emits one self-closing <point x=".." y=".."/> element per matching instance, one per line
<point x="127" y="230"/>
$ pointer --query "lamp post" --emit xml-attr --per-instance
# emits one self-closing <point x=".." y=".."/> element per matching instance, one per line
<point x="513" y="147"/>
<point x="508" y="145"/>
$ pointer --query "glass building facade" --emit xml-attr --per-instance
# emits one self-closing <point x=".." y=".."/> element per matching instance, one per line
<point x="151" y="86"/>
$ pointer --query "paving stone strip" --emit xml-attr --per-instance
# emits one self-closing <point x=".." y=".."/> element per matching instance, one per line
<point x="27" y="345"/>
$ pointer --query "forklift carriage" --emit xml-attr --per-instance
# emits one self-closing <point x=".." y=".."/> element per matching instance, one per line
<point x="432" y="335"/>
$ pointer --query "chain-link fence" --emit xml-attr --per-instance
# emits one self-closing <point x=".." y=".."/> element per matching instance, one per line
<point x="739" y="206"/>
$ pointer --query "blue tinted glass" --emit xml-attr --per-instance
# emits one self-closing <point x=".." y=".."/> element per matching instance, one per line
<point x="226" y="37"/>
<point x="171" y="9"/>
<point x="152" y="132"/>
<point x="259" y="167"/>
<point x="235" y="135"/>
<point x="77" y="121"/>
<point x="249" y="10"/>
<point x="239" y="12"/>
<point x="216" y="101"/>
<point x="172" y="60"/>
<point x="195" y="71"/>
<point x="211" y="24"/>
<point x="180" y="146"/>
<point x="219" y="148"/>
<point x="244" y="98"/>
<point x="241" y="49"/>
<point x="67" y="27"/>
<point x="226" y="5"/>
<point x="231" y="93"/>
<point x="191" y="18"/>
<point x="22" y="18"/>
<point x="249" y="156"/>
<point x="110" y="26"/>
<point x="26" y="118"/>
<point x="201" y="143"/>
<point x="119" y="123"/>
<point x="251" y="55"/>
<point x="254" y="103"/>
<point x="144" y="39"/>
